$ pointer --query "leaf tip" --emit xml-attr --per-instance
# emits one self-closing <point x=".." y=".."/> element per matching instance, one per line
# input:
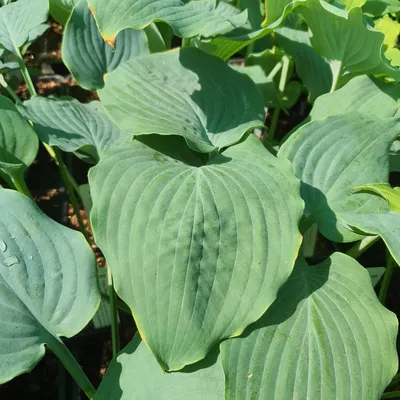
<point x="110" y="40"/>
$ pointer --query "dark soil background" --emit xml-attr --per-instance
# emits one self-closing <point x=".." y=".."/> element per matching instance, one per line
<point x="92" y="348"/>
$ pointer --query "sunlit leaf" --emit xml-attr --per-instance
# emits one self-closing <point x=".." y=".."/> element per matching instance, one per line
<point x="196" y="252"/>
<point x="174" y="94"/>
<point x="325" y="336"/>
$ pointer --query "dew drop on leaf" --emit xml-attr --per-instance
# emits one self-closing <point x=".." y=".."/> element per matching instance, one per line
<point x="30" y="258"/>
<point x="3" y="246"/>
<point x="12" y="260"/>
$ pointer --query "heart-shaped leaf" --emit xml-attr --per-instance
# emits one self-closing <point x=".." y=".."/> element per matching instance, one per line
<point x="325" y="336"/>
<point x="48" y="284"/>
<point x="174" y="94"/>
<point x="340" y="37"/>
<point x="199" y="17"/>
<point x="136" y="371"/>
<point x="198" y="253"/>
<point x="18" y="141"/>
<point x="18" y="19"/>
<point x="71" y="125"/>
<point x="334" y="155"/>
<point x="86" y="54"/>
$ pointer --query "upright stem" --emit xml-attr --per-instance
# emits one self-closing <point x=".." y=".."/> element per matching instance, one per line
<point x="71" y="365"/>
<point x="386" y="279"/>
<point x="25" y="73"/>
<point x="277" y="109"/>
<point x="362" y="246"/>
<point x="71" y="193"/>
<point x="114" y="315"/>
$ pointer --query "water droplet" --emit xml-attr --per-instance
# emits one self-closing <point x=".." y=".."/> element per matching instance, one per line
<point x="3" y="246"/>
<point x="30" y="258"/>
<point x="12" y="260"/>
<point x="12" y="237"/>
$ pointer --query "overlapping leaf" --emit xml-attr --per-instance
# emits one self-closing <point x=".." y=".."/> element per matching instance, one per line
<point x="71" y="125"/>
<point x="136" y="371"/>
<point x="18" y="19"/>
<point x="198" y="253"/>
<point x="86" y="54"/>
<point x="61" y="10"/>
<point x="363" y="94"/>
<point x="313" y="70"/>
<point x="174" y="94"/>
<point x="48" y="284"/>
<point x="341" y="36"/>
<point x="18" y="141"/>
<point x="326" y="335"/>
<point x="200" y="17"/>
<point x="334" y="155"/>
<point x="378" y="8"/>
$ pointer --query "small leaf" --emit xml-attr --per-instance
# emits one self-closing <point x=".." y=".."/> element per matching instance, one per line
<point x="48" y="283"/>
<point x="187" y="20"/>
<point x="196" y="252"/>
<point x="86" y="54"/>
<point x="334" y="155"/>
<point x="349" y="4"/>
<point x="18" y="141"/>
<point x="325" y="336"/>
<point x="18" y="19"/>
<point x="377" y="8"/>
<point x="391" y="195"/>
<point x="60" y="10"/>
<point x="173" y="94"/>
<point x="71" y="125"/>
<point x="136" y="371"/>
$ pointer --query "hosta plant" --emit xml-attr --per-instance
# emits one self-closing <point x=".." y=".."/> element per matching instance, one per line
<point x="207" y="226"/>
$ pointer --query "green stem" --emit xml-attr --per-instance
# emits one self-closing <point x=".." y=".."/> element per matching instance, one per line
<point x="391" y="395"/>
<point x="281" y="87"/>
<point x="25" y="73"/>
<point x="336" y="77"/>
<point x="362" y="246"/>
<point x="274" y="123"/>
<point x="274" y="71"/>
<point x="250" y="48"/>
<point x="20" y="184"/>
<point x="10" y="92"/>
<point x="120" y="305"/>
<point x="114" y="315"/>
<point x="70" y="192"/>
<point x="71" y="365"/>
<point x="386" y="279"/>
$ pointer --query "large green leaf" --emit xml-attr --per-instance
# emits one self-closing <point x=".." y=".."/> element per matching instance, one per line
<point x="199" y="17"/>
<point x="332" y="156"/>
<point x="48" y="284"/>
<point x="18" y="141"/>
<point x="71" y="125"/>
<point x="341" y="36"/>
<point x="174" y="94"/>
<point x="198" y="253"/>
<point x="313" y="70"/>
<point x="18" y="19"/>
<point x="136" y="371"/>
<point x="326" y="337"/>
<point x="86" y="54"/>
<point x="391" y="195"/>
